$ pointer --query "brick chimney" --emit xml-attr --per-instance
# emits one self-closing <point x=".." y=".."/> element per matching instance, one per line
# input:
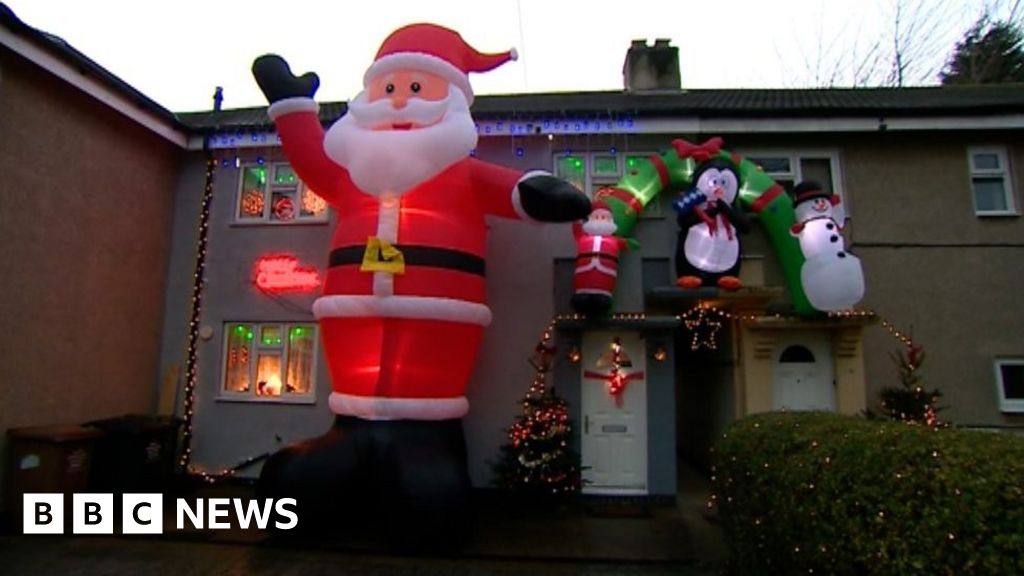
<point x="651" y="68"/>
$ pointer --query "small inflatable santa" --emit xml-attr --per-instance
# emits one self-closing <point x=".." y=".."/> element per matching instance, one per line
<point x="831" y="277"/>
<point x="597" y="261"/>
<point x="402" y="311"/>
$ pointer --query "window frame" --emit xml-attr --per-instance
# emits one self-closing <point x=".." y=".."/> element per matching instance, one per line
<point x="1004" y="172"/>
<point x="593" y="180"/>
<point x="1009" y="405"/>
<point x="268" y="193"/>
<point x="283" y="350"/>
<point x="795" y="155"/>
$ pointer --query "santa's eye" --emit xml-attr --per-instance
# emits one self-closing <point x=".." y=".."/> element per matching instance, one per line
<point x="415" y="87"/>
<point x="390" y="88"/>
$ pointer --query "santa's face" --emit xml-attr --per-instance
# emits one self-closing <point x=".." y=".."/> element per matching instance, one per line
<point x="814" y="208"/>
<point x="405" y="128"/>
<point x="600" y="223"/>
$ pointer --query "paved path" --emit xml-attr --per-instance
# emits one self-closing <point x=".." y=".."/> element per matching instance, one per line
<point x="123" y="556"/>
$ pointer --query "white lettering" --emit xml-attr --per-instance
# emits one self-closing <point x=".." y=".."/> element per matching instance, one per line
<point x="218" y="508"/>
<point x="280" y="508"/>
<point x="195" y="517"/>
<point x="253" y="510"/>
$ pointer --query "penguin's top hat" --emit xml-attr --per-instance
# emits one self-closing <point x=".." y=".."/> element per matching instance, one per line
<point x="808" y="190"/>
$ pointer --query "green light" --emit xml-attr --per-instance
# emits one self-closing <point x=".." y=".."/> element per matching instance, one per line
<point x="239" y="329"/>
<point x="248" y="335"/>
<point x="578" y="163"/>
<point x="632" y="162"/>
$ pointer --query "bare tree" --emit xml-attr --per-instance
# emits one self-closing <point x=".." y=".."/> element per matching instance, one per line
<point x="906" y="43"/>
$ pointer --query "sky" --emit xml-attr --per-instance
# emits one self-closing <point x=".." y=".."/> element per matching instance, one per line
<point x="178" y="52"/>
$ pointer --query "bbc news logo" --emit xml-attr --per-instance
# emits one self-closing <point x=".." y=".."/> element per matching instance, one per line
<point x="144" y="513"/>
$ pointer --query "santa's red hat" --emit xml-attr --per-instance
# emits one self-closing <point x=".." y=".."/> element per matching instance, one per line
<point x="436" y="50"/>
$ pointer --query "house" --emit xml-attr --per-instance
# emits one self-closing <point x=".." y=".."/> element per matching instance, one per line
<point x="927" y="176"/>
<point x="90" y="171"/>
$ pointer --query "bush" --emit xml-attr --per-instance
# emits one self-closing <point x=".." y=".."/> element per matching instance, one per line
<point x="829" y="494"/>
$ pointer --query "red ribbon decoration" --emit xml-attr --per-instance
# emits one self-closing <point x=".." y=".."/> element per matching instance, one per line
<point x="699" y="152"/>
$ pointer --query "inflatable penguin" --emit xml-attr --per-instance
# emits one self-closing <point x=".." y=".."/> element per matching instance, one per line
<point x="832" y="277"/>
<point x="708" y="248"/>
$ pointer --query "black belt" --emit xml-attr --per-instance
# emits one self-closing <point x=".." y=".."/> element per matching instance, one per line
<point x="417" y="256"/>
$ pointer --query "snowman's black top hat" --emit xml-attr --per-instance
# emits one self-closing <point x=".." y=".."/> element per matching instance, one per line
<point x="808" y="190"/>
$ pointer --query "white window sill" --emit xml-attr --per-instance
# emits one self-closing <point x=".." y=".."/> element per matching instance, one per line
<point x="244" y="224"/>
<point x="309" y="399"/>
<point x="1001" y="214"/>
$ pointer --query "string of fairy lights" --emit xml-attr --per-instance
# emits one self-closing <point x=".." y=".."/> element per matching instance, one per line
<point x="191" y="374"/>
<point x="198" y="281"/>
<point x="704" y="321"/>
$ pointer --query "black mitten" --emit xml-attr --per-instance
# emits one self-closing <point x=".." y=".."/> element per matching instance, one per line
<point x="277" y="81"/>
<point x="551" y="199"/>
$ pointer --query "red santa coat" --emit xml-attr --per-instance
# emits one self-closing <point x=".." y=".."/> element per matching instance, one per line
<point x="401" y="345"/>
<point x="597" y="262"/>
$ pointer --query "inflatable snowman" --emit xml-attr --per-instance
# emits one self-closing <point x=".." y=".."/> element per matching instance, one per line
<point x="831" y="277"/>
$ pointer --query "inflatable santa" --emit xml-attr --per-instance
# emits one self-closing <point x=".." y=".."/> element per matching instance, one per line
<point x="402" y="311"/>
<point x="597" y="261"/>
<point x="831" y="277"/>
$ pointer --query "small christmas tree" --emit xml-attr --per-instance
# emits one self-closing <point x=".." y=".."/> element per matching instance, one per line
<point x="538" y="458"/>
<point x="910" y="402"/>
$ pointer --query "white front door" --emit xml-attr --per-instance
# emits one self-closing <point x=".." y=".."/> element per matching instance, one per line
<point x="804" y="373"/>
<point x="614" y="427"/>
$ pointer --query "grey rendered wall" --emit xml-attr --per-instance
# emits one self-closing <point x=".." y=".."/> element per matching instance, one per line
<point x="227" y="432"/>
<point x="520" y="293"/>
<point x="935" y="268"/>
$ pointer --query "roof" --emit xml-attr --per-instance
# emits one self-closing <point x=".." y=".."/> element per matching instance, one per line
<point x="57" y="47"/>
<point x="981" y="100"/>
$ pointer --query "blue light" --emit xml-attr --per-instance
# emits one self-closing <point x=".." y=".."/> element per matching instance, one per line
<point x="613" y="150"/>
<point x="519" y="151"/>
<point x="260" y="160"/>
<point x="472" y="152"/>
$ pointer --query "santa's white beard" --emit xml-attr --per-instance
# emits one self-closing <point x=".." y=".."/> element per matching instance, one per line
<point x="599" y="227"/>
<point x="394" y="161"/>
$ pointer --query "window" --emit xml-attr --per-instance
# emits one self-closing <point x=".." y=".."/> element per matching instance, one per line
<point x="273" y="194"/>
<point x="1010" y="380"/>
<point x="275" y="362"/>
<point x="990" y="181"/>
<point x="791" y="168"/>
<point x="592" y="171"/>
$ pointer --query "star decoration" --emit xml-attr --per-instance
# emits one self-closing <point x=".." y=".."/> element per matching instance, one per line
<point x="704" y="327"/>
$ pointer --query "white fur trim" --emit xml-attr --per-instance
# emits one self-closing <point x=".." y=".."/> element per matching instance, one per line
<point x="596" y="264"/>
<point x="387" y="229"/>
<point x="417" y="307"/>
<point x="378" y="408"/>
<point x="517" y="203"/>
<point x="289" y="105"/>
<point x="593" y="291"/>
<point x="420" y="61"/>
<point x="513" y="54"/>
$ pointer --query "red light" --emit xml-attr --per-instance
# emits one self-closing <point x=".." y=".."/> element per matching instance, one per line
<point x="280" y="273"/>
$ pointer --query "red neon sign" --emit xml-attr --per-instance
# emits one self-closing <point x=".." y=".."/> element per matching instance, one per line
<point x="280" y="273"/>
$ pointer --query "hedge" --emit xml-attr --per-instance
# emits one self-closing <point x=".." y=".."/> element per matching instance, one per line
<point x="817" y="493"/>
